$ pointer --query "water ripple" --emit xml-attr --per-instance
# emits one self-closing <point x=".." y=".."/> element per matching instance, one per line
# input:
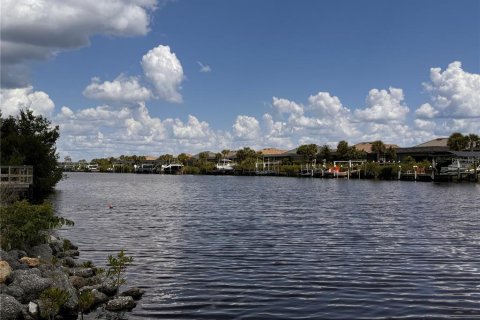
<point x="279" y="248"/>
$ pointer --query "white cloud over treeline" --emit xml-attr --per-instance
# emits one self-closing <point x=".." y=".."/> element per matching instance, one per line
<point x="122" y="124"/>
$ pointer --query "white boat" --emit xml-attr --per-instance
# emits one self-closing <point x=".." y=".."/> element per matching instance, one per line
<point x="225" y="165"/>
<point x="172" y="168"/>
<point x="459" y="165"/>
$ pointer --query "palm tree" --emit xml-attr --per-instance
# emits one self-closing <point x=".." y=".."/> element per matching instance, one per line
<point x="225" y="153"/>
<point x="307" y="151"/>
<point x="378" y="147"/>
<point x="457" y="141"/>
<point x="342" y="150"/>
<point x="473" y="141"/>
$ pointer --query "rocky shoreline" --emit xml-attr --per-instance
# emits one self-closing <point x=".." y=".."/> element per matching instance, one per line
<point x="25" y="275"/>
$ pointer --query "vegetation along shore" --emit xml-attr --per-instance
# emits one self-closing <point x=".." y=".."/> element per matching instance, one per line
<point x="454" y="158"/>
<point x="41" y="275"/>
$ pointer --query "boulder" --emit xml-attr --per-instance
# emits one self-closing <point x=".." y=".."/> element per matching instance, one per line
<point x="135" y="293"/>
<point x="30" y="283"/>
<point x="5" y="270"/>
<point x="68" y="262"/>
<point x="30" y="262"/>
<point x="56" y="246"/>
<point x="78" y="282"/>
<point x="82" y="272"/>
<point x="121" y="303"/>
<point x="12" y="257"/>
<point x="60" y="280"/>
<point x="42" y="251"/>
<point x="108" y="287"/>
<point x="10" y="308"/>
<point x="99" y="297"/>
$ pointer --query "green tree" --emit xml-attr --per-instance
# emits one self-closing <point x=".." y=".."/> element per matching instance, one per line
<point x="218" y="157"/>
<point x="183" y="158"/>
<point x="245" y="154"/>
<point x="354" y="153"/>
<point x="325" y="152"/>
<point x="457" y="141"/>
<point x="308" y="152"/>
<point x="391" y="153"/>
<point x="378" y="147"/>
<point x="165" y="158"/>
<point x="117" y="266"/>
<point x="30" y="140"/>
<point x="225" y="153"/>
<point x="473" y="141"/>
<point x="343" y="150"/>
<point x="203" y="157"/>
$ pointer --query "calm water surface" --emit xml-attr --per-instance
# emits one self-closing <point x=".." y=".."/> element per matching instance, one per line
<point x="209" y="247"/>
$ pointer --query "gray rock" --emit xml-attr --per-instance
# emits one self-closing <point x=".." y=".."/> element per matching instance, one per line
<point x="78" y="282"/>
<point x="42" y="251"/>
<point x="10" y="308"/>
<point x="14" y="291"/>
<point x="30" y="282"/>
<point x="69" y="262"/>
<point x="121" y="303"/>
<point x="12" y="257"/>
<point x="108" y="287"/>
<point x="82" y="272"/>
<point x="135" y="293"/>
<point x="56" y="246"/>
<point x="21" y="274"/>
<point x="99" y="297"/>
<point x="60" y="280"/>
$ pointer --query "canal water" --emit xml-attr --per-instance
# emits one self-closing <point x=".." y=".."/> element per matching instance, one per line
<point x="226" y="247"/>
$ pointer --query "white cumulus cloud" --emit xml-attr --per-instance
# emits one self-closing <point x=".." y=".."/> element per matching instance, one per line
<point x="246" y="128"/>
<point x="383" y="106"/>
<point x="455" y="92"/>
<point x="284" y="106"/>
<point x="13" y="100"/>
<point x="164" y="70"/>
<point x="122" y="89"/>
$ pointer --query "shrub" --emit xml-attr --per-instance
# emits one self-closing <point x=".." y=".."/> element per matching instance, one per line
<point x="85" y="301"/>
<point x="25" y="225"/>
<point x="51" y="300"/>
<point x="117" y="266"/>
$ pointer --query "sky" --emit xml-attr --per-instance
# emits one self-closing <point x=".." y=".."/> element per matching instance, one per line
<point x="150" y="77"/>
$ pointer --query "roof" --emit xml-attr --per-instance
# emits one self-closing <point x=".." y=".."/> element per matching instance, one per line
<point x="367" y="146"/>
<point x="271" y="151"/>
<point x="150" y="158"/>
<point x="438" y="142"/>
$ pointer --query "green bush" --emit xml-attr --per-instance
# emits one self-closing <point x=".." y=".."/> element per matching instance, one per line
<point x="51" y="300"/>
<point x="24" y="225"/>
<point x="191" y="170"/>
<point x="117" y="266"/>
<point x="85" y="301"/>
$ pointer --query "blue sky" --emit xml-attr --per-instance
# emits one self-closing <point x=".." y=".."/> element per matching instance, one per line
<point x="125" y="77"/>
